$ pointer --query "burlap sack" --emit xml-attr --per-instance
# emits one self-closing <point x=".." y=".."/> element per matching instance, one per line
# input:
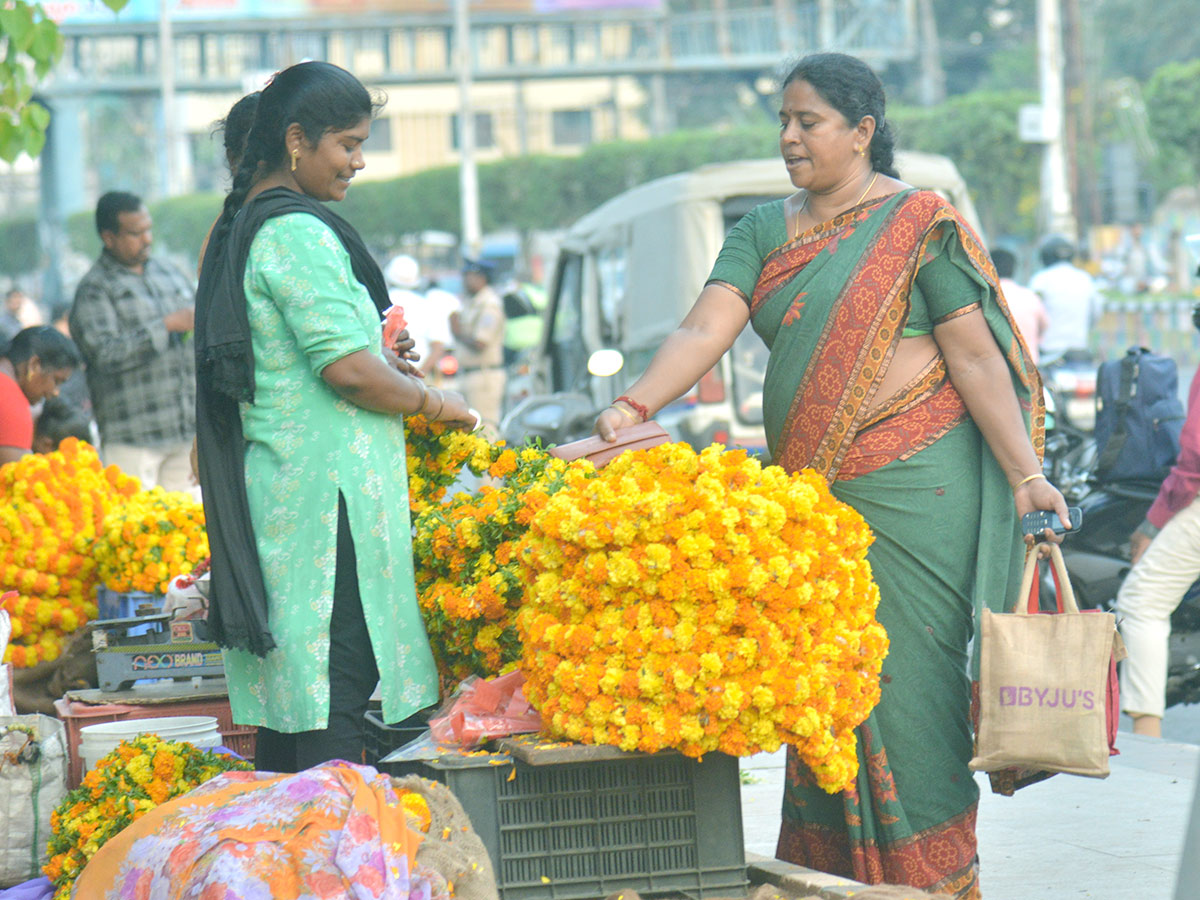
<point x="1043" y="684"/>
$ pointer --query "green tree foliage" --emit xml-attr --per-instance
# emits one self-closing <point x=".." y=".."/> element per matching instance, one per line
<point x="979" y="132"/>
<point x="1136" y="37"/>
<point x="32" y="45"/>
<point x="538" y="192"/>
<point x="1172" y="99"/>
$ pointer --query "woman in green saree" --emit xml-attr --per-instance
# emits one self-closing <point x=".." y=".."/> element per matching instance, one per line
<point x="896" y="371"/>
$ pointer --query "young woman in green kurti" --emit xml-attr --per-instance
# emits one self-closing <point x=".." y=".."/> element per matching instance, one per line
<point x="294" y="373"/>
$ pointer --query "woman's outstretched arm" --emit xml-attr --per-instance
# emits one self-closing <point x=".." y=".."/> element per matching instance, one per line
<point x="708" y="330"/>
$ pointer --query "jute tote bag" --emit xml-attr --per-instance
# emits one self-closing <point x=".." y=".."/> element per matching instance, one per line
<point x="1044" y="683"/>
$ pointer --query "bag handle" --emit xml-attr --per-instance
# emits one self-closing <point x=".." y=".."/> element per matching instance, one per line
<point x="1029" y="585"/>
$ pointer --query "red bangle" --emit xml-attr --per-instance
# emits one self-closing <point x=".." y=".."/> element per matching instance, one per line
<point x="638" y="408"/>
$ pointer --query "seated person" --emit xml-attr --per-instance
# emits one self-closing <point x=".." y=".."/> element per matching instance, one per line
<point x="60" y="420"/>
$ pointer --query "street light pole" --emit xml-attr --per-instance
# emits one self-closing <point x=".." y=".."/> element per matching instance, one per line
<point x="468" y="181"/>
<point x="1055" y="212"/>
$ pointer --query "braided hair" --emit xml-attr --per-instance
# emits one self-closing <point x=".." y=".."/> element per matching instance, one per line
<point x="850" y="86"/>
<point x="317" y="96"/>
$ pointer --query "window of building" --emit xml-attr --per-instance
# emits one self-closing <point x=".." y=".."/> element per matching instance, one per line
<point x="485" y="137"/>
<point x="380" y="140"/>
<point x="572" y="127"/>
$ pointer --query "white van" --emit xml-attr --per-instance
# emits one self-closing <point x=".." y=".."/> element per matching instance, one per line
<point x="629" y="271"/>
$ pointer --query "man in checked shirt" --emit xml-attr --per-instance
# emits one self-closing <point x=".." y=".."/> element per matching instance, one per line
<point x="130" y="319"/>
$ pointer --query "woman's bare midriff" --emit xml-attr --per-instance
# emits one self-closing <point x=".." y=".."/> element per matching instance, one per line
<point x="912" y="355"/>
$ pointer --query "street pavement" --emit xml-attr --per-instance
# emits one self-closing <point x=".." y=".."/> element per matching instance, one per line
<point x="1068" y="837"/>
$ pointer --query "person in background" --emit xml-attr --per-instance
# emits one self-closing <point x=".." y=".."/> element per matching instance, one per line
<point x="1165" y="550"/>
<point x="10" y="320"/>
<point x="301" y="440"/>
<point x="428" y="320"/>
<point x="36" y="362"/>
<point x="1071" y="298"/>
<point x="1143" y="267"/>
<point x="523" y="305"/>
<point x="74" y="390"/>
<point x="1025" y="305"/>
<point x="443" y="370"/>
<point x="57" y="421"/>
<point x="479" y="343"/>
<point x="896" y="374"/>
<point x="130" y="317"/>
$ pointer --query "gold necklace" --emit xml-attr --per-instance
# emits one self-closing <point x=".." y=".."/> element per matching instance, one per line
<point x="861" y="198"/>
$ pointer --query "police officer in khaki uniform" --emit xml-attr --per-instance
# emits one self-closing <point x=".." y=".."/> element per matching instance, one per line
<point x="479" y="343"/>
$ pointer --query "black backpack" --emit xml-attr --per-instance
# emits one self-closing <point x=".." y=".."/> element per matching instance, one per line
<point x="1138" y="417"/>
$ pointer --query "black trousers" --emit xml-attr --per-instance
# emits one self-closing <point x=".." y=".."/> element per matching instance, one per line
<point x="352" y="677"/>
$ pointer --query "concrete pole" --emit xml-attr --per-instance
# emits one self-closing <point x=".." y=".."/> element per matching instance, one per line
<point x="468" y="179"/>
<point x="826" y="25"/>
<point x="166" y="70"/>
<point x="1055" y="214"/>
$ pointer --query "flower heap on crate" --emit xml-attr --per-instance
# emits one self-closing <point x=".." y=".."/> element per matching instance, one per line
<point x="702" y="602"/>
<point x="124" y="785"/>
<point x="149" y="539"/>
<point x="466" y="567"/>
<point x="52" y="507"/>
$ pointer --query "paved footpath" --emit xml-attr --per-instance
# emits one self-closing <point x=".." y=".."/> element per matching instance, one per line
<point x="1119" y="838"/>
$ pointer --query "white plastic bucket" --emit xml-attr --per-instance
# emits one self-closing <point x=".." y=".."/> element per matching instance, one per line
<point x="97" y="741"/>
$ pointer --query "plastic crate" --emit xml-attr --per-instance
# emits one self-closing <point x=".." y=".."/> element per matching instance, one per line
<point x="238" y="738"/>
<point x="380" y="739"/>
<point x="661" y="823"/>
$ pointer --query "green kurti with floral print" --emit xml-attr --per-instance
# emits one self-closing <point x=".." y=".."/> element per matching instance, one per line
<point x="304" y="444"/>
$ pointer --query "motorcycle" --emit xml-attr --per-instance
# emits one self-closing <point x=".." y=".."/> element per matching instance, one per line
<point x="1098" y="555"/>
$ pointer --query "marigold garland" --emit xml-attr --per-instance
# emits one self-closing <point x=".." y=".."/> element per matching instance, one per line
<point x="701" y="602"/>
<point x="436" y="456"/>
<point x="52" y="507"/>
<point x="464" y="551"/>
<point x="122" y="787"/>
<point x="149" y="539"/>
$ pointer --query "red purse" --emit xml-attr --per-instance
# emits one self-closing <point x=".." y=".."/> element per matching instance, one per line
<point x="599" y="451"/>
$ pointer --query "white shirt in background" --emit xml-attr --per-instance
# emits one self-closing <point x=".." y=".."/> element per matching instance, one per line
<point x="1072" y="304"/>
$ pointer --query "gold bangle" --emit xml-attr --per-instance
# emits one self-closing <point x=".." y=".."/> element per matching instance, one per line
<point x="627" y="412"/>
<point x="1027" y="479"/>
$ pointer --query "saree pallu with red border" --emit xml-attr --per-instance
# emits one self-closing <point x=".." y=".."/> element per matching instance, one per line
<point x="832" y="305"/>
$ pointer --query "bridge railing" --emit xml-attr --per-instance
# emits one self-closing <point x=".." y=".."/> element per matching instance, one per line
<point x="403" y="49"/>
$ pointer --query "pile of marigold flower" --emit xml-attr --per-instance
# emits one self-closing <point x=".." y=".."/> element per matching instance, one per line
<point x="52" y="507"/>
<point x="149" y="539"/>
<point x="124" y="785"/>
<point x="466" y="567"/>
<point x="436" y="455"/>
<point x="701" y="602"/>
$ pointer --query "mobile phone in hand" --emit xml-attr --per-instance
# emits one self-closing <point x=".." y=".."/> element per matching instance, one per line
<point x="1039" y="520"/>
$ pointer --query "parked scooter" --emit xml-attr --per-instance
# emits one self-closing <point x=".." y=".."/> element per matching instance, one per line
<point x="563" y="416"/>
<point x="1098" y="556"/>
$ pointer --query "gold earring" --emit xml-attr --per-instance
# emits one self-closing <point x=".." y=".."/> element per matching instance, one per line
<point x="295" y="156"/>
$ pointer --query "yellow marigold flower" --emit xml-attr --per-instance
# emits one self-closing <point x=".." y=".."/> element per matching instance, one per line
<point x="746" y="585"/>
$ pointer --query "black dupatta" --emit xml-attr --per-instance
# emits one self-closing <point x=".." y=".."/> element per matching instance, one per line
<point x="237" y="615"/>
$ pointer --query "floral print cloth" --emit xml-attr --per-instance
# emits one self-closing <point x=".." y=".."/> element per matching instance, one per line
<point x="334" y="831"/>
<point x="304" y="444"/>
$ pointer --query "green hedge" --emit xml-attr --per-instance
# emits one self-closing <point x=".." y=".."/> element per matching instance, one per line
<point x="530" y="193"/>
